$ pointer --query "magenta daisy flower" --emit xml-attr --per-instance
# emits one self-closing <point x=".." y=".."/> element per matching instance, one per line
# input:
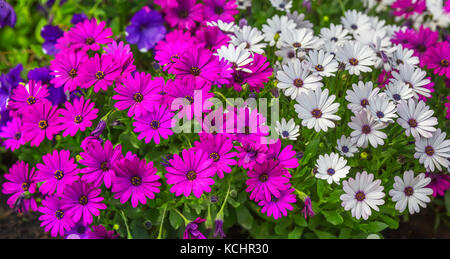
<point x="189" y="98"/>
<point x="65" y="67"/>
<point x="308" y="210"/>
<point x="406" y="8"/>
<point x="152" y="125"/>
<point x="197" y="63"/>
<point x="447" y="105"/>
<point x="12" y="134"/>
<point x="100" y="232"/>
<point x="266" y="180"/>
<point x="184" y="14"/>
<point x="220" y="10"/>
<point x="54" y="218"/>
<point x="137" y="94"/>
<point x="403" y="37"/>
<point x="77" y="116"/>
<point x="99" y="71"/>
<point x="261" y="71"/>
<point x="57" y="171"/>
<point x="285" y="156"/>
<point x="438" y="58"/>
<point x="88" y="35"/>
<point x="26" y="96"/>
<point x="135" y="178"/>
<point x="122" y="56"/>
<point x="20" y="180"/>
<point x="251" y="153"/>
<point x="99" y="162"/>
<point x="218" y="148"/>
<point x="168" y="53"/>
<point x="81" y="201"/>
<point x="191" y="173"/>
<point x="211" y="38"/>
<point x="248" y="124"/>
<point x="422" y="40"/>
<point x="276" y="207"/>
<point x="440" y="183"/>
<point x="39" y="122"/>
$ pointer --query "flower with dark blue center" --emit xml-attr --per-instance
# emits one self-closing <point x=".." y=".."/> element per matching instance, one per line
<point x="146" y="29"/>
<point x="50" y="34"/>
<point x="57" y="95"/>
<point x="7" y="15"/>
<point x="77" y="18"/>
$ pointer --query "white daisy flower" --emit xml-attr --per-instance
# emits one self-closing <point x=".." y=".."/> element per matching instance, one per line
<point x="382" y="109"/>
<point x="404" y="56"/>
<point x="346" y="146"/>
<point x="336" y="34"/>
<point x="362" y="194"/>
<point x="356" y="57"/>
<point x="300" y="39"/>
<point x="243" y="4"/>
<point x="287" y="53"/>
<point x="360" y="96"/>
<point x="416" y="118"/>
<point x="355" y="21"/>
<point x="287" y="130"/>
<point x="237" y="56"/>
<point x="381" y="5"/>
<point x="322" y="63"/>
<point x="299" y="19"/>
<point x="295" y="79"/>
<point x="251" y="38"/>
<point x="411" y="192"/>
<point x="317" y="110"/>
<point x="229" y="27"/>
<point x="414" y="77"/>
<point x="274" y="27"/>
<point x="433" y="152"/>
<point x="398" y="91"/>
<point x="366" y="129"/>
<point x="282" y="5"/>
<point x="331" y="168"/>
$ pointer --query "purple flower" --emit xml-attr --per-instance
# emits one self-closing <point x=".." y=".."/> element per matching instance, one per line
<point x="184" y="14"/>
<point x="65" y="69"/>
<point x="266" y="180"/>
<point x="192" y="232"/>
<point x="146" y="29"/>
<point x="51" y="34"/>
<point x="77" y="18"/>
<point x="219" y="229"/>
<point x="123" y="56"/>
<point x="286" y="156"/>
<point x="277" y="206"/>
<point x="440" y="183"/>
<point x="307" y="210"/>
<point x="220" y="10"/>
<point x="407" y="8"/>
<point x="12" y="133"/>
<point x="79" y="231"/>
<point x="89" y="35"/>
<point x="100" y="232"/>
<point x="54" y="218"/>
<point x="31" y="95"/>
<point x="438" y="59"/>
<point x="7" y="15"/>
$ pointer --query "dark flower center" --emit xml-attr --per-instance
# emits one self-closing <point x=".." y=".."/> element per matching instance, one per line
<point x="319" y="68"/>
<point x="25" y="186"/>
<point x="285" y="133"/>
<point x="366" y="129"/>
<point x="191" y="175"/>
<point x="409" y="9"/>
<point x="31" y="100"/>
<point x="247" y="130"/>
<point x="360" y="196"/>
<point x="364" y="102"/>
<point x="195" y="71"/>
<point x="100" y="75"/>
<point x="353" y="61"/>
<point x="73" y="73"/>
<point x="331" y="171"/>
<point x="316" y="113"/>
<point x="412" y="123"/>
<point x="274" y="199"/>
<point x="59" y="174"/>
<point x="183" y="13"/>
<point x="218" y="10"/>
<point x="214" y="156"/>
<point x="78" y="119"/>
<point x="59" y="214"/>
<point x="83" y="200"/>
<point x="380" y="114"/>
<point x="345" y="149"/>
<point x="138" y="97"/>
<point x="296" y="45"/>
<point x="291" y="54"/>
<point x="354" y="26"/>
<point x="90" y="40"/>
<point x="421" y="48"/>
<point x="298" y="83"/>
<point x="18" y="135"/>
<point x="104" y="166"/>
<point x="396" y="97"/>
<point x="174" y="58"/>
<point x="334" y="39"/>
<point x="238" y="78"/>
<point x="263" y="177"/>
<point x="444" y="63"/>
<point x="408" y="191"/>
<point x="429" y="150"/>
<point x="136" y="180"/>
<point x="189" y="98"/>
<point x="43" y="124"/>
<point x="154" y="124"/>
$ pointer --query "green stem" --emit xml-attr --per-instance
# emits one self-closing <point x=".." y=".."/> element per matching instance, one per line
<point x="220" y="213"/>
<point x="126" y="224"/>
<point x="162" y="221"/>
<point x="186" y="221"/>
<point x="301" y="194"/>
<point x="342" y="6"/>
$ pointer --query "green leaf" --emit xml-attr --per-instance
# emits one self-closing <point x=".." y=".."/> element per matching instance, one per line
<point x="175" y="220"/>
<point x="390" y="221"/>
<point x="324" y="235"/>
<point x="296" y="233"/>
<point x="373" y="227"/>
<point x="333" y="217"/>
<point x="244" y="217"/>
<point x="447" y="201"/>
<point x="321" y="186"/>
<point x="300" y="221"/>
<point x="345" y="233"/>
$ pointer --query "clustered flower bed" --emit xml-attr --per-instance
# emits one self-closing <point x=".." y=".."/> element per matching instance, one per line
<point x="197" y="116"/>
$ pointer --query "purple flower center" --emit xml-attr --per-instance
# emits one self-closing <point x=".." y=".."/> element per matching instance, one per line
<point x="247" y="130"/>
<point x="138" y="97"/>
<point x="396" y="97"/>
<point x="285" y="133"/>
<point x="238" y="78"/>
<point x="345" y="149"/>
<point x="195" y="71"/>
<point x="296" y="45"/>
<point x="331" y="171"/>
<point x="18" y="135"/>
<point x="59" y="174"/>
<point x="291" y="54"/>
<point x="421" y="48"/>
<point x="354" y="26"/>
<point x="100" y="75"/>
<point x="43" y="124"/>
<point x="59" y="214"/>
<point x="31" y="100"/>
<point x="154" y="124"/>
<point x="298" y="83"/>
<point x="429" y="150"/>
<point x="174" y="58"/>
<point x="214" y="156"/>
<point x="73" y="73"/>
<point x="353" y="61"/>
<point x="25" y="186"/>
<point x="104" y="166"/>
<point x="360" y="196"/>
<point x="83" y="200"/>
<point x="366" y="129"/>
<point x="78" y="119"/>
<point x="408" y="191"/>
<point x="89" y="41"/>
<point x="364" y="102"/>
<point x="183" y="13"/>
<point x="316" y="113"/>
<point x="136" y="180"/>
<point x="412" y="123"/>
<point x="190" y="99"/>
<point x="263" y="177"/>
<point x="218" y="9"/>
<point x="319" y="68"/>
<point x="380" y="114"/>
<point x="444" y="62"/>
<point x="191" y="175"/>
<point x="334" y="39"/>
<point x="274" y="199"/>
